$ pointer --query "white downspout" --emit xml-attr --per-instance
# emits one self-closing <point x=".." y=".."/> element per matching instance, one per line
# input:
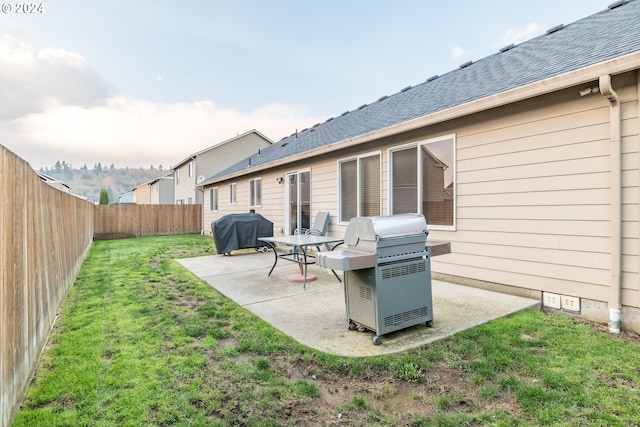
<point x="615" y="306"/>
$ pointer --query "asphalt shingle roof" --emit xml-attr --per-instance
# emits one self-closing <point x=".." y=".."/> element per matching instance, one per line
<point x="606" y="35"/>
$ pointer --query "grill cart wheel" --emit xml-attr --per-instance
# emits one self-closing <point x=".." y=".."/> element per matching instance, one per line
<point x="352" y="326"/>
<point x="377" y="340"/>
<point x="429" y="323"/>
<point x="265" y="249"/>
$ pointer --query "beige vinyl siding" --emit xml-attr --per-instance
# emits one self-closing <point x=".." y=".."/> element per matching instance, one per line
<point x="324" y="186"/>
<point x="222" y="156"/>
<point x="533" y="197"/>
<point x="186" y="187"/>
<point x="209" y="162"/>
<point x="142" y="194"/>
<point x="273" y="207"/>
<point x="533" y="193"/>
<point x="630" y="193"/>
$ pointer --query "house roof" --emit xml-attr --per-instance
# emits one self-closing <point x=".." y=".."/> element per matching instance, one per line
<point x="602" y="37"/>
<point x="194" y="155"/>
<point x="51" y="180"/>
<point x="152" y="180"/>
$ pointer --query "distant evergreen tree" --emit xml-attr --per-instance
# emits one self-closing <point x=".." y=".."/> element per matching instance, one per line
<point x="104" y="197"/>
<point x="58" y="166"/>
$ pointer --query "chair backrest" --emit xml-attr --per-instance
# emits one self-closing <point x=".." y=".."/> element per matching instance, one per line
<point x="321" y="222"/>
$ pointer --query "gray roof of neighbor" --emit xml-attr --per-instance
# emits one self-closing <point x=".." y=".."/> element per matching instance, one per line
<point x="608" y="34"/>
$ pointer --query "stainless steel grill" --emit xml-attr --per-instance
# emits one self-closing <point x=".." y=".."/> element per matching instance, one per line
<point x="387" y="272"/>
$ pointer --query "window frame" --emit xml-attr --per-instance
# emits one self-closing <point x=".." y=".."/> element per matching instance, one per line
<point x="358" y="159"/>
<point x="214" y="202"/>
<point x="255" y="202"/>
<point x="233" y="193"/>
<point x="418" y="145"/>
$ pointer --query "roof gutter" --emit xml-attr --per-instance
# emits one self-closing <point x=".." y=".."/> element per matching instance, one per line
<point x="615" y="66"/>
<point x="615" y="126"/>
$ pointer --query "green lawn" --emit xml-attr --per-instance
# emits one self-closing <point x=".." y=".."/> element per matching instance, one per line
<point x="142" y="342"/>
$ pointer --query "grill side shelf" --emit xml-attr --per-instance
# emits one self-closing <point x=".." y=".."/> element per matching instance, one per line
<point x="345" y="259"/>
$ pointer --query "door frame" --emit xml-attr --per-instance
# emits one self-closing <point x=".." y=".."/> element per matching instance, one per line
<point x="287" y="199"/>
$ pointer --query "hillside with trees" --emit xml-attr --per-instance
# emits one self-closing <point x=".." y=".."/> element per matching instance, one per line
<point x="89" y="181"/>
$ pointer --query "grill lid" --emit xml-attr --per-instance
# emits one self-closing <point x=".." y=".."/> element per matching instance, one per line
<point x="373" y="228"/>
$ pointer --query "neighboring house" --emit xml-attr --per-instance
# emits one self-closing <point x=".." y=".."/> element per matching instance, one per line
<point x="54" y="182"/>
<point x="126" y="198"/>
<point x="157" y="191"/>
<point x="142" y="194"/>
<point x="161" y="190"/>
<point x="526" y="160"/>
<point x="188" y="173"/>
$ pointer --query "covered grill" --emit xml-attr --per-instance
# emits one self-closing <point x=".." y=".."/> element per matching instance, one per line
<point x="387" y="272"/>
<point x="240" y="231"/>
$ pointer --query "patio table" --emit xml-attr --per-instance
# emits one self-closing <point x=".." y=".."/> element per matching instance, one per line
<point x="302" y="241"/>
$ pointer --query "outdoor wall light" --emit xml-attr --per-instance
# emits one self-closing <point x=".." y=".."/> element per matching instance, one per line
<point x="279" y="180"/>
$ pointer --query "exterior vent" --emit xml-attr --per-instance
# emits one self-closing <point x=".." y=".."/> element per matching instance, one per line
<point x="554" y="29"/>
<point x="366" y="293"/>
<point x="403" y="270"/>
<point x="382" y="98"/>
<point x="329" y="119"/>
<point x="432" y="78"/>
<point x="617" y="4"/>
<point x="407" y="316"/>
<point x="506" y="48"/>
<point x="466" y="64"/>
<point x="362" y="106"/>
<point x="405" y="89"/>
<point x="344" y="114"/>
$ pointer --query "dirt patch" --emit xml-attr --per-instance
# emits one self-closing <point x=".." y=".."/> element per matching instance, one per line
<point x="441" y="388"/>
<point x="113" y="236"/>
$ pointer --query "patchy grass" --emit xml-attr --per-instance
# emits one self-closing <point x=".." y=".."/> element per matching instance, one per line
<point x="141" y="341"/>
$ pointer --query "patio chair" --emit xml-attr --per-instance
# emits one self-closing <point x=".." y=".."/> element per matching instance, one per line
<point x="319" y="228"/>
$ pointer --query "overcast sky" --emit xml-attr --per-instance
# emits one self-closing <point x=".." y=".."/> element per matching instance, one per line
<point x="143" y="82"/>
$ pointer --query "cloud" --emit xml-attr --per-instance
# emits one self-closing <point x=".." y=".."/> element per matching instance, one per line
<point x="457" y="52"/>
<point x="518" y="35"/>
<point x="132" y="132"/>
<point x="54" y="106"/>
<point x="30" y="79"/>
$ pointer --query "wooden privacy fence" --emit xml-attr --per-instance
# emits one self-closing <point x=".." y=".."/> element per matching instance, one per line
<point x="118" y="221"/>
<point x="44" y="236"/>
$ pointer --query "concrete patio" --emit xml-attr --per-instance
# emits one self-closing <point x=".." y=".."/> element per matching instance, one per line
<point x="316" y="316"/>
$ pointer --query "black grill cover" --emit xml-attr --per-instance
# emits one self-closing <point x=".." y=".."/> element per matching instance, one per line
<point x="240" y="231"/>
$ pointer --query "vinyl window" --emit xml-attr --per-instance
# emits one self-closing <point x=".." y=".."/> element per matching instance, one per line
<point x="213" y="199"/>
<point x="255" y="192"/>
<point x="233" y="193"/>
<point x="359" y="186"/>
<point x="422" y="179"/>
